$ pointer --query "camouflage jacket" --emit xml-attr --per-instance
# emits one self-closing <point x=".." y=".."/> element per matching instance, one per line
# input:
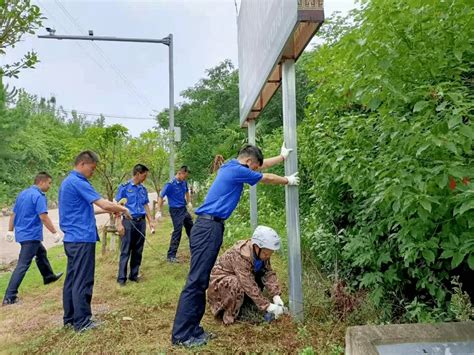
<point x="238" y="261"/>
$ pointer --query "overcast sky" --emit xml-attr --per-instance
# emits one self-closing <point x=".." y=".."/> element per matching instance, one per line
<point x="129" y="79"/>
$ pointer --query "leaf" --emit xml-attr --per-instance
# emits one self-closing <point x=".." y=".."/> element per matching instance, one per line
<point x="470" y="261"/>
<point x="422" y="149"/>
<point x="426" y="205"/>
<point x="452" y="147"/>
<point x="420" y="105"/>
<point x="442" y="181"/>
<point x="457" y="260"/>
<point x="374" y="103"/>
<point x="441" y="106"/>
<point x="396" y="206"/>
<point x="466" y="206"/>
<point x="454" y="121"/>
<point x="467" y="131"/>
<point x="458" y="54"/>
<point x="446" y="254"/>
<point x="429" y="255"/>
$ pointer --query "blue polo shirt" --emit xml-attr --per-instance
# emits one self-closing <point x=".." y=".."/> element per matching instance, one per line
<point x="225" y="191"/>
<point x="137" y="198"/>
<point x="175" y="190"/>
<point x="29" y="204"/>
<point x="76" y="213"/>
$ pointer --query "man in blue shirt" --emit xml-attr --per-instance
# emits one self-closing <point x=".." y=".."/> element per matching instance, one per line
<point x="206" y="235"/>
<point x="29" y="215"/>
<point x="133" y="240"/>
<point x="178" y="196"/>
<point x="77" y="221"/>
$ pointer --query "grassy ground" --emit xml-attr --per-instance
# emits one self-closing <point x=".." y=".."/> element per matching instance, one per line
<point x="35" y="325"/>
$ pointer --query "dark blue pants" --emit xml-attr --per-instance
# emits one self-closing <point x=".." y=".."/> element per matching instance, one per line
<point x="28" y="251"/>
<point x="131" y="249"/>
<point x="77" y="292"/>
<point x="205" y="242"/>
<point x="180" y="218"/>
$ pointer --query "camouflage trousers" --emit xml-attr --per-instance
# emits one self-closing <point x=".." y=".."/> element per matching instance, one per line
<point x="226" y="296"/>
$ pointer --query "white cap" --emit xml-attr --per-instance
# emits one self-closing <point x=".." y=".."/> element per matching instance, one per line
<point x="266" y="237"/>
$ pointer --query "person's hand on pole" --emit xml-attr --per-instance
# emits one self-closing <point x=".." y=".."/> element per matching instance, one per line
<point x="190" y="207"/>
<point x="275" y="309"/>
<point x="10" y="237"/>
<point x="293" y="179"/>
<point x="284" y="152"/>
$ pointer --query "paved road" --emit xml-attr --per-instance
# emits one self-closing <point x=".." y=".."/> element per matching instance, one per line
<point x="9" y="251"/>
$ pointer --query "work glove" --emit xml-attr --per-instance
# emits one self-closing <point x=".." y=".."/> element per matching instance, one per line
<point x="278" y="301"/>
<point x="152" y="227"/>
<point x="122" y="201"/>
<point x="10" y="236"/>
<point x="275" y="309"/>
<point x="284" y="152"/>
<point x="158" y="215"/>
<point x="57" y="237"/>
<point x="293" y="179"/>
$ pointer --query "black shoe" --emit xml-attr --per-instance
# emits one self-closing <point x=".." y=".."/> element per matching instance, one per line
<point x="54" y="278"/>
<point x="68" y="326"/>
<point x="138" y="279"/>
<point x="173" y="260"/>
<point x="192" y="342"/>
<point x="207" y="336"/>
<point x="91" y="325"/>
<point x="8" y="301"/>
<point x="121" y="283"/>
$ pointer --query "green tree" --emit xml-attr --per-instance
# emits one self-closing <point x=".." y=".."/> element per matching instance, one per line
<point x="150" y="149"/>
<point x="17" y="18"/>
<point x="110" y="143"/>
<point x="387" y="149"/>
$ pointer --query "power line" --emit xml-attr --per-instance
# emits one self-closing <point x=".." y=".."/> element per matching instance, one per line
<point x="129" y="84"/>
<point x="112" y="116"/>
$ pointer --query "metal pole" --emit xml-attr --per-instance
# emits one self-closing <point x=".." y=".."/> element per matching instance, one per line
<point x="253" y="189"/>
<point x="171" y="110"/>
<point x="291" y="192"/>
<point x="107" y="38"/>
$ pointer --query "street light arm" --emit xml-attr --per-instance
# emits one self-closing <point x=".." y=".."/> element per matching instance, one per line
<point x="165" y="41"/>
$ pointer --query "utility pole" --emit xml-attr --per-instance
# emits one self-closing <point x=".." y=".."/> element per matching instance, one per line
<point x="168" y="41"/>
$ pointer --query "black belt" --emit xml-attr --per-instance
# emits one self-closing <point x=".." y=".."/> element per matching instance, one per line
<point x="212" y="218"/>
<point x="138" y="219"/>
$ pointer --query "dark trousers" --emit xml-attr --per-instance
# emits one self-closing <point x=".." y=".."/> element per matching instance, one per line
<point x="131" y="249"/>
<point x="28" y="251"/>
<point x="205" y="242"/>
<point x="180" y="218"/>
<point x="79" y="283"/>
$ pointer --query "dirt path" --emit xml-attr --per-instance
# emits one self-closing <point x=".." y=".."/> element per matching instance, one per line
<point x="9" y="251"/>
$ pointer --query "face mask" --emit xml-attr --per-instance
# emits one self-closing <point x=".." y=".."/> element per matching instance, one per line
<point x="257" y="263"/>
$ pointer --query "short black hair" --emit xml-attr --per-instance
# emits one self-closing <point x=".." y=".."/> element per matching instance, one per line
<point x="184" y="169"/>
<point x="42" y="176"/>
<point x="251" y="151"/>
<point x="139" y="169"/>
<point x="87" y="156"/>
